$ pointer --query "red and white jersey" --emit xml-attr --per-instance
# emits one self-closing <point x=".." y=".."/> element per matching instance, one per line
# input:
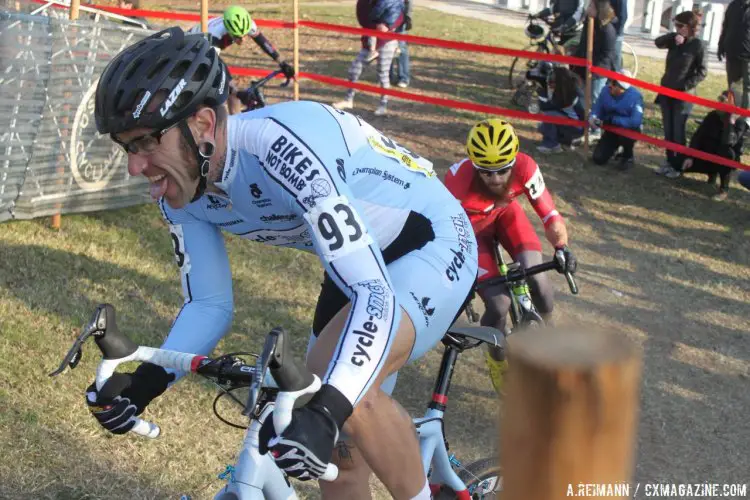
<point x="525" y="178"/>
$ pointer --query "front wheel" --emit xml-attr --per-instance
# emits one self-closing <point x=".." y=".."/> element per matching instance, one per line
<point x="483" y="479"/>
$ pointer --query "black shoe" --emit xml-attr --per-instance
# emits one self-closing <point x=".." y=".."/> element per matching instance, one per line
<point x="625" y="164"/>
<point x="712" y="179"/>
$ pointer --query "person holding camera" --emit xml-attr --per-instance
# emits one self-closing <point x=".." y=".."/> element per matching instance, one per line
<point x="621" y="105"/>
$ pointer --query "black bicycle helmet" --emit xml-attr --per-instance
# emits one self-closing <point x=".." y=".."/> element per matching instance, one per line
<point x="182" y="67"/>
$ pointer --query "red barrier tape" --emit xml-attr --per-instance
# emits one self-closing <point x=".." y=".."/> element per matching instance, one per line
<point x="447" y="44"/>
<point x="450" y="103"/>
<point x="482" y="108"/>
<point x="694" y="153"/>
<point x="683" y="96"/>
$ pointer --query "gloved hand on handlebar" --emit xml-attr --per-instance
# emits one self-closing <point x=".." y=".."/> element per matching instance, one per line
<point x="566" y="261"/>
<point x="126" y="395"/>
<point x="305" y="448"/>
<point x="287" y="69"/>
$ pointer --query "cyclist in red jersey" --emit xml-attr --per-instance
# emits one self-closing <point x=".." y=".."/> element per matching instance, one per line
<point x="487" y="183"/>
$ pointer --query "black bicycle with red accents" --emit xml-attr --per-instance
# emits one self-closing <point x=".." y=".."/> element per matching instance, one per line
<point x="275" y="381"/>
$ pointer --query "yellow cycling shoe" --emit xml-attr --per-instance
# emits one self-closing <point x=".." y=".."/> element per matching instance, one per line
<point x="497" y="372"/>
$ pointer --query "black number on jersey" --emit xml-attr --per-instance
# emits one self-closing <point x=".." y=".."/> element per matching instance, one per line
<point x="179" y="253"/>
<point x="329" y="226"/>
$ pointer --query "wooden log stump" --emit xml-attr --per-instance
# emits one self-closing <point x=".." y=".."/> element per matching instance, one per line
<point x="571" y="413"/>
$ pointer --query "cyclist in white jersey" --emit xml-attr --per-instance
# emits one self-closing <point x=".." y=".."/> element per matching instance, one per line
<point x="234" y="27"/>
<point x="398" y="251"/>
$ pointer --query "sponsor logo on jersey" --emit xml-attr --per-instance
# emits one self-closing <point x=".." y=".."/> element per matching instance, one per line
<point x="319" y="188"/>
<point x="463" y="231"/>
<point x="377" y="301"/>
<point x="299" y="235"/>
<point x="216" y="203"/>
<point x="387" y="176"/>
<point x="288" y="160"/>
<point x="255" y="191"/>
<point x="229" y="167"/>
<point x="340" y="169"/>
<point x="365" y="339"/>
<point x="424" y="306"/>
<point x="230" y="223"/>
<point x="268" y="219"/>
<point x="455" y="265"/>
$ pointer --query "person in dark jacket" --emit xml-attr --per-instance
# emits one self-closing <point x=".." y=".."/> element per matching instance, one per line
<point x="734" y="44"/>
<point x="620" y="104"/>
<point x="711" y="138"/>
<point x="564" y="99"/>
<point x="685" y="68"/>
<point x="568" y="15"/>
<point x="380" y="15"/>
<point x="605" y="36"/>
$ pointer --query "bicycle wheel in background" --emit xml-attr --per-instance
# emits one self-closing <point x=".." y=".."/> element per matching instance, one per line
<point x="629" y="59"/>
<point x="522" y="87"/>
<point x="483" y="479"/>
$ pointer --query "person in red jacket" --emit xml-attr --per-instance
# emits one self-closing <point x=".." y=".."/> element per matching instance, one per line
<point x="487" y="183"/>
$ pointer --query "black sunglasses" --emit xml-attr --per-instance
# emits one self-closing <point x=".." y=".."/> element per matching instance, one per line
<point x="146" y="143"/>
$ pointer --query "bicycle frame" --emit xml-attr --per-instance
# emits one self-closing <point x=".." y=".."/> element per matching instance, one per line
<point x="520" y="294"/>
<point x="256" y="476"/>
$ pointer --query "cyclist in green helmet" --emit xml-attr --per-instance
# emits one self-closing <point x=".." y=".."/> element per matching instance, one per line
<point x="233" y="28"/>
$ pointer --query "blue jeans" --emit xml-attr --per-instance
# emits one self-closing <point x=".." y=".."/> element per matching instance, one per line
<point x="402" y="73"/>
<point x="618" y="52"/>
<point x="553" y="134"/>
<point x="597" y="85"/>
<point x="744" y="179"/>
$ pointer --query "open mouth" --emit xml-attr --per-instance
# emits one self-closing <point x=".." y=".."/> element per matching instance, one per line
<point x="158" y="185"/>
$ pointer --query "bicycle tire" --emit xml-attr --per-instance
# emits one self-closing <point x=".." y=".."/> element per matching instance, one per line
<point x="529" y="48"/>
<point x="483" y="478"/>
<point x="629" y="50"/>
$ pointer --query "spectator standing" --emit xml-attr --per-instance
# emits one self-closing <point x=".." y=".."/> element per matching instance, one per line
<point x="621" y="12"/>
<point x="564" y="99"/>
<point x="568" y="15"/>
<point x="605" y="36"/>
<point x="380" y="15"/>
<point x="685" y="67"/>
<point x="400" y="66"/>
<point x="734" y="44"/>
<point x="620" y="104"/>
<point x="722" y="134"/>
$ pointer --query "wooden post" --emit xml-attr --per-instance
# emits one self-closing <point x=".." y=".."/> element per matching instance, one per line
<point x="204" y="16"/>
<point x="571" y="413"/>
<point x="57" y="218"/>
<point x="74" y="6"/>
<point x="296" y="50"/>
<point x="587" y="108"/>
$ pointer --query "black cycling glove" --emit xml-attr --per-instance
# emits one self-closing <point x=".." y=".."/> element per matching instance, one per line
<point x="305" y="448"/>
<point x="565" y="259"/>
<point x="126" y="395"/>
<point x="287" y="69"/>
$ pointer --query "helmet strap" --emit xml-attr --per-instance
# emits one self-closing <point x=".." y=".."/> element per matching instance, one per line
<point x="203" y="156"/>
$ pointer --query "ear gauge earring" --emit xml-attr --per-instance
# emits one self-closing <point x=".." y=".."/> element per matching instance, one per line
<point x="206" y="150"/>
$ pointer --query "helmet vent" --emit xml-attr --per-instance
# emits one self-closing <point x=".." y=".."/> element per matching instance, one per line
<point x="157" y="68"/>
<point x="201" y="73"/>
<point x="180" y="70"/>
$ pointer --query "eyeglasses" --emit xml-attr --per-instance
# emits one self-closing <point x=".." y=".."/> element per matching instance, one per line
<point x="679" y="25"/>
<point x="143" y="144"/>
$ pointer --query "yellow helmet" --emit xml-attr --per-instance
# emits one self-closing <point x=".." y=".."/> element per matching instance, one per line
<point x="492" y="144"/>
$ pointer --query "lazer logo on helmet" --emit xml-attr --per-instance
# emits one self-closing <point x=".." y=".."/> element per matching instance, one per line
<point x="173" y="97"/>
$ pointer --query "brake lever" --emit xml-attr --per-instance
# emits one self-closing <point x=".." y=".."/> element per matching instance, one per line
<point x="286" y="83"/>
<point x="75" y="353"/>
<point x="571" y="283"/>
<point x="261" y="367"/>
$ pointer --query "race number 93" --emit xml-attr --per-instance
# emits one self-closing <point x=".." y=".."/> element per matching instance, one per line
<point x="337" y="228"/>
